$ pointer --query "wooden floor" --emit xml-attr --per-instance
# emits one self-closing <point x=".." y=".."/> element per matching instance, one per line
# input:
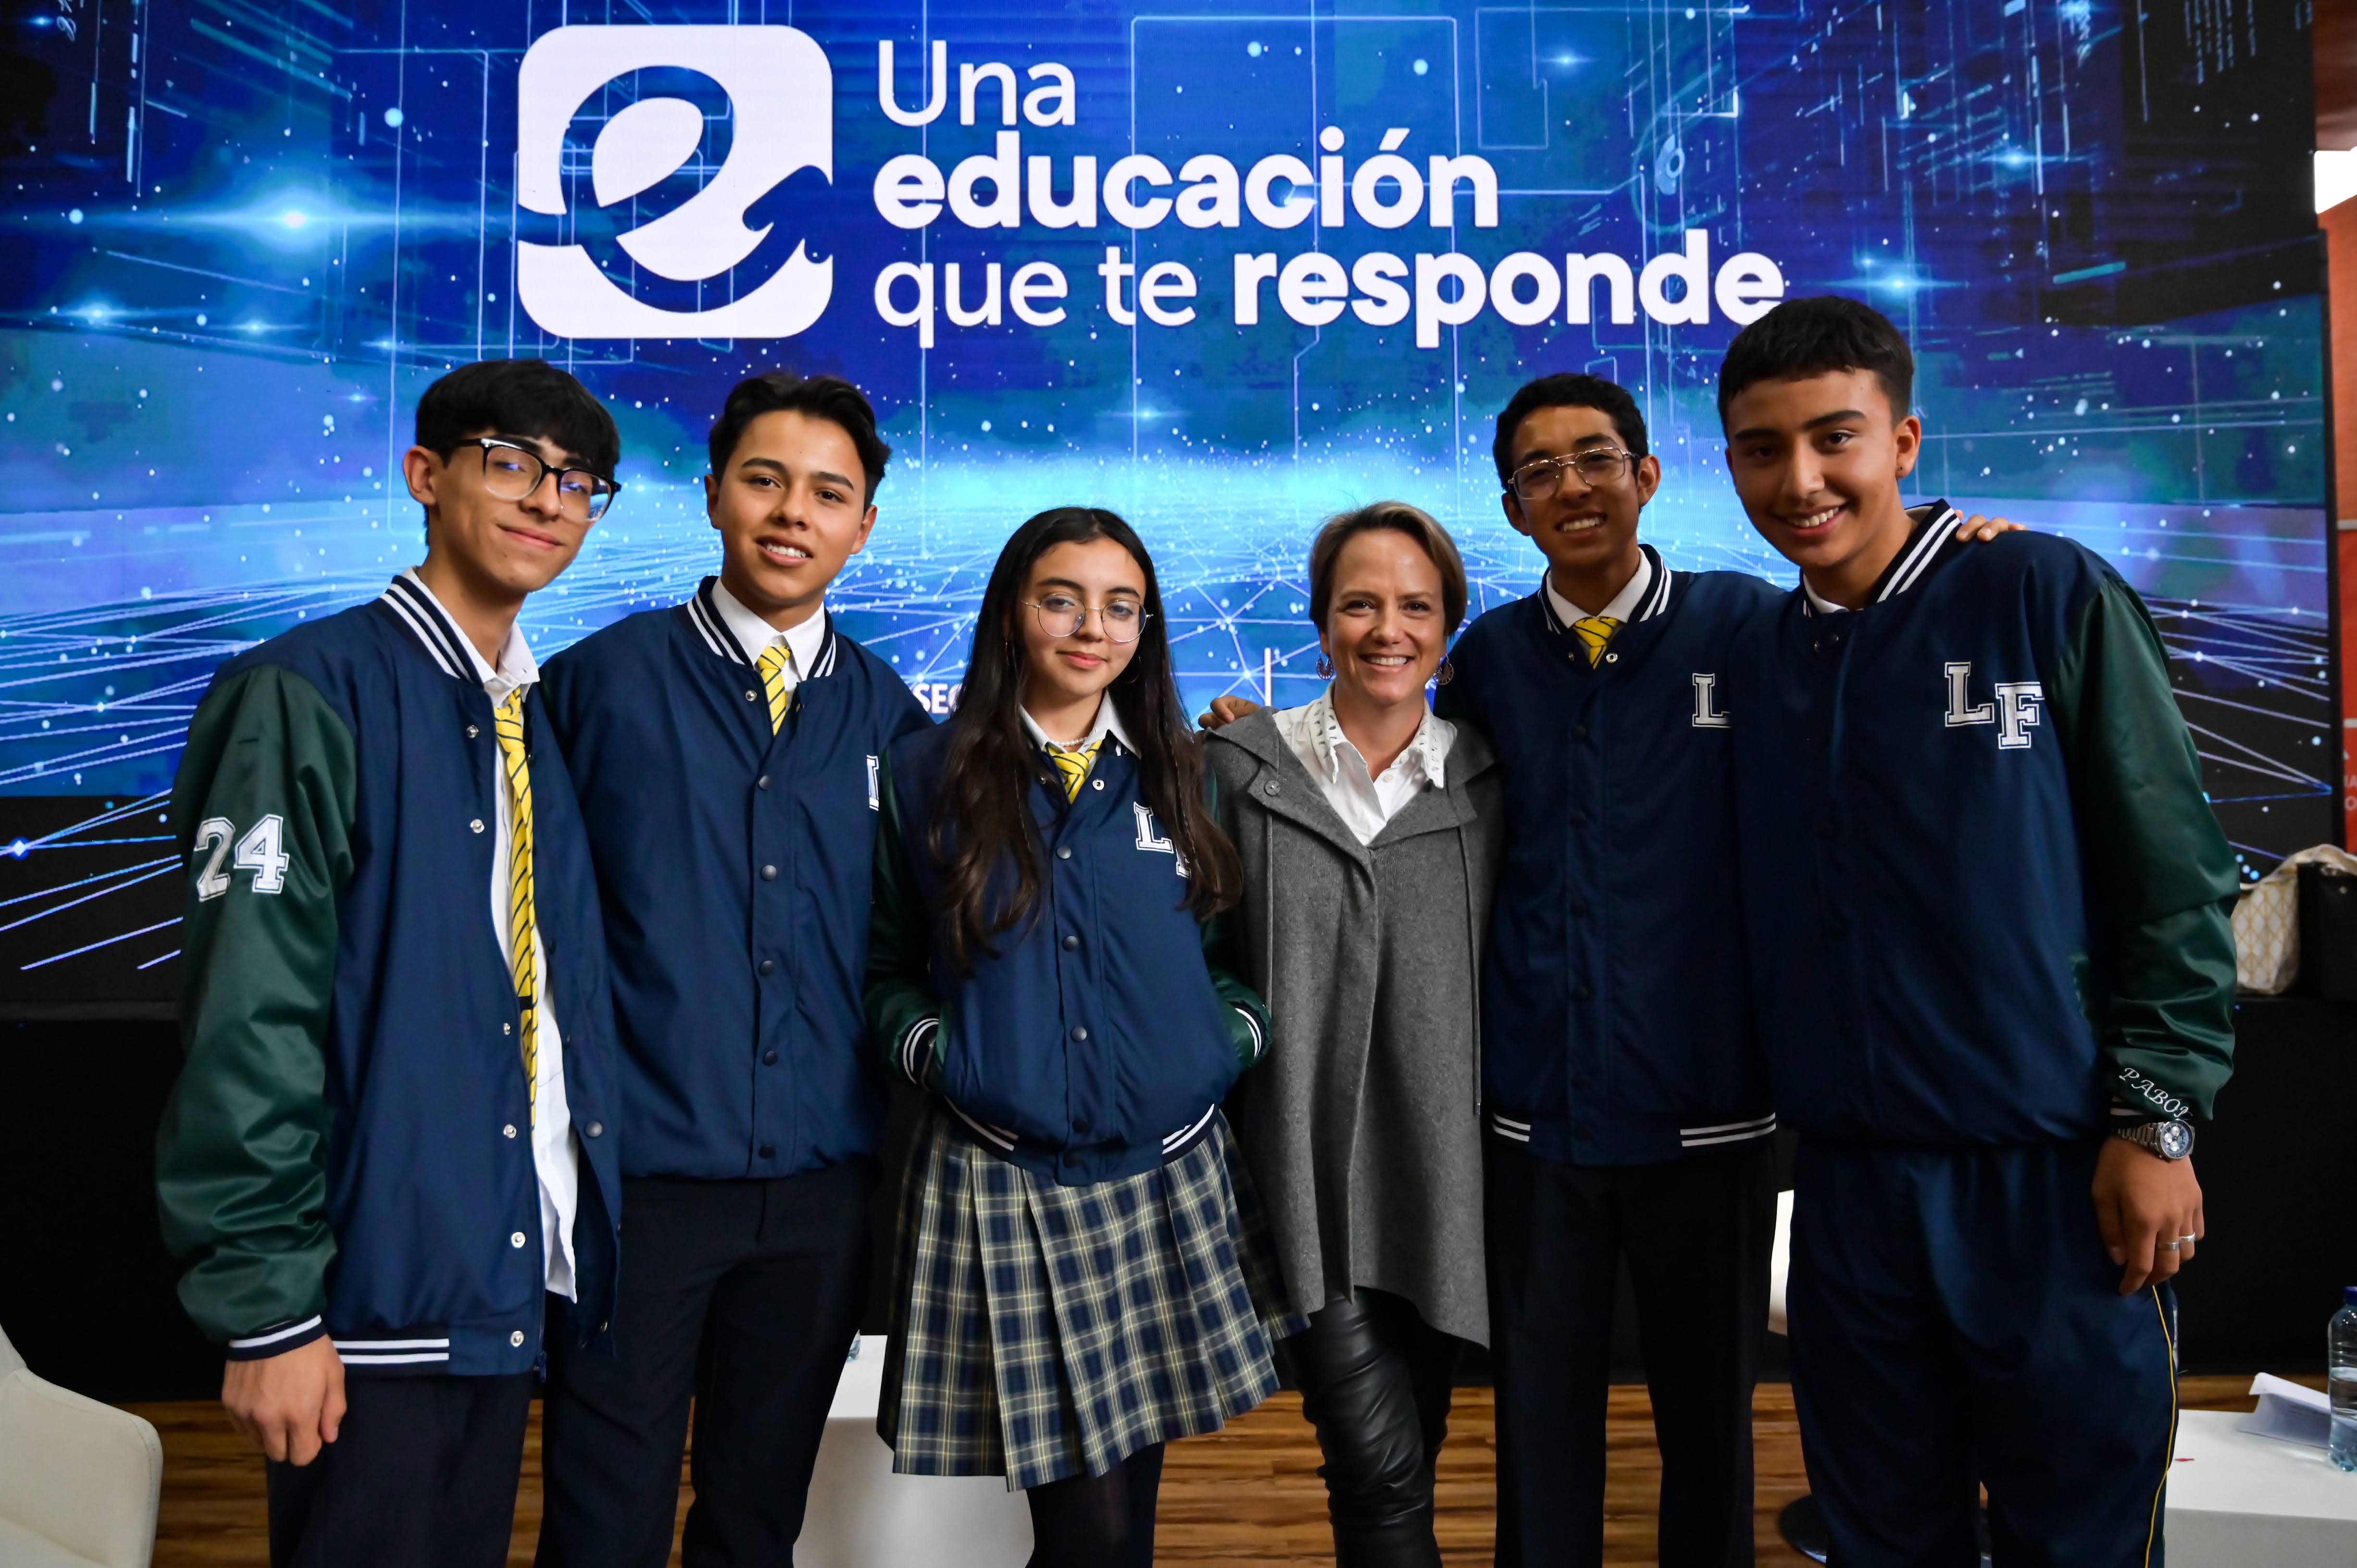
<point x="1250" y="1494"/>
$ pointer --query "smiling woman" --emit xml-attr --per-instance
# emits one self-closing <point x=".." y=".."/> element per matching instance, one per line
<point x="1369" y="831"/>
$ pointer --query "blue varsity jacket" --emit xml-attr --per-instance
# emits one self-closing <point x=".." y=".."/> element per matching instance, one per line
<point x="735" y="868"/>
<point x="1100" y="1038"/>
<point x="1616" y="1024"/>
<point x="346" y="1151"/>
<point x="1988" y="901"/>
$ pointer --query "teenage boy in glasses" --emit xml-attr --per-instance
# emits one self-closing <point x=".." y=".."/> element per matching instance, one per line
<point x="727" y="750"/>
<point x="1989" y="914"/>
<point x="389" y="1144"/>
<point x="1628" y="1109"/>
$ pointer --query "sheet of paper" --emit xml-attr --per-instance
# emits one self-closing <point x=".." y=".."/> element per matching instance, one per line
<point x="2289" y="1412"/>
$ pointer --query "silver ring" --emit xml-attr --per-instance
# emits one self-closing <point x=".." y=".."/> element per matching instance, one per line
<point x="2171" y="1246"/>
<point x="2188" y="1238"/>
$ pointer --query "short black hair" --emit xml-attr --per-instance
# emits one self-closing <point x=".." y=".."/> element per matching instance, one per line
<point x="830" y="398"/>
<point x="1568" y="391"/>
<point x="1815" y="337"/>
<point x="519" y="397"/>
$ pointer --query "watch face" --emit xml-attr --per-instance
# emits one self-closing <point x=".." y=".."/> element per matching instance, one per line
<point x="2175" y="1140"/>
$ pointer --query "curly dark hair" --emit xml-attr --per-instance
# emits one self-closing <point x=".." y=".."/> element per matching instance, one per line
<point x="1815" y="336"/>
<point x="830" y="398"/>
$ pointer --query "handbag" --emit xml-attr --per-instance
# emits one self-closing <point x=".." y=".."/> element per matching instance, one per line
<point x="2327" y="931"/>
<point x="2267" y="923"/>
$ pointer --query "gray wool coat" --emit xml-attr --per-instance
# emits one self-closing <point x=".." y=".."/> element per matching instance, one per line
<point x="1362" y="1128"/>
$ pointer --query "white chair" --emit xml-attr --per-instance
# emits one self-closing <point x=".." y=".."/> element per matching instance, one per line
<point x="861" y="1515"/>
<point x="79" y="1479"/>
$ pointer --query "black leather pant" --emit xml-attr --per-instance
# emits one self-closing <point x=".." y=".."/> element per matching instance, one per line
<point x="1375" y="1383"/>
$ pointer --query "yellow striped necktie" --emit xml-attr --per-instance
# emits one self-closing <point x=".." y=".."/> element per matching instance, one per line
<point x="775" y="661"/>
<point x="1595" y="631"/>
<point x="1073" y="762"/>
<point x="507" y="721"/>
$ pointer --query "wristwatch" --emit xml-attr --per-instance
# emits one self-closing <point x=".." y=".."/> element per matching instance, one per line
<point x="2167" y="1140"/>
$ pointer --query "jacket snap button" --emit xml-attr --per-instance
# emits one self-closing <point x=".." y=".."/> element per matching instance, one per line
<point x="1081" y="1033"/>
<point x="763" y="782"/>
<point x="595" y="1129"/>
<point x="477" y="825"/>
<point x="508" y="1131"/>
<point x="1579" y="732"/>
<point x="1612" y="659"/>
<point x="507" y="1029"/>
<point x="1579" y="819"/>
<point x="1080" y="1124"/>
<point x="769" y="1058"/>
<point x="473" y="732"/>
<point x="1579" y="993"/>
<point x="1071" y="944"/>
<point x="516" y="1338"/>
<point x="1072" y="1159"/>
<point x="769" y="966"/>
<point x="769" y="1151"/>
<point x="1272" y="787"/>
<point x="516" y="1240"/>
<point x="751" y="697"/>
<point x="1096" y="783"/>
<point x="1063" y="851"/>
<point x="769" y="873"/>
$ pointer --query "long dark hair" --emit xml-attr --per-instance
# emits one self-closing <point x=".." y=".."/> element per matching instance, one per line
<point x="983" y="818"/>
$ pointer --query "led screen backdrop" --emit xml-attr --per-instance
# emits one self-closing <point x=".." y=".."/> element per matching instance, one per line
<point x="1224" y="269"/>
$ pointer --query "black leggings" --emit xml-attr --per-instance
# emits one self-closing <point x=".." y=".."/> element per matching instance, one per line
<point x="1375" y="1382"/>
<point x="1098" y="1521"/>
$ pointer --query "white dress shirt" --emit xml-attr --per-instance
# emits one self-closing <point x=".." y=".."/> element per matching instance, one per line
<point x="1363" y="801"/>
<point x="1624" y="603"/>
<point x="555" y="1158"/>
<point x="755" y="635"/>
<point x="1107" y="723"/>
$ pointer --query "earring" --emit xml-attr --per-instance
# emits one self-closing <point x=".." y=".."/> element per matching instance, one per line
<point x="1445" y="673"/>
<point x="1325" y="667"/>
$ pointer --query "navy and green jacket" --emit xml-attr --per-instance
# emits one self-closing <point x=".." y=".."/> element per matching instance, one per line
<point x="1987" y="899"/>
<point x="346" y="1150"/>
<point x="1099" y="1038"/>
<point x="1616" y="1024"/>
<point x="736" y="866"/>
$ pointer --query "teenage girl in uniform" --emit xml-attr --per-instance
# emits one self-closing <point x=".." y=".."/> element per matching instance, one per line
<point x="1046" y="961"/>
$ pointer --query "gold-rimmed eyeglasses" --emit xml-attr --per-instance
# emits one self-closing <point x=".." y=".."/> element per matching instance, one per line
<point x="1062" y="615"/>
<point x="1543" y="477"/>
<point x="512" y="473"/>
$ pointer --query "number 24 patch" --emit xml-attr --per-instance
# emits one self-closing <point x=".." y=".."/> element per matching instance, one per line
<point x="258" y="852"/>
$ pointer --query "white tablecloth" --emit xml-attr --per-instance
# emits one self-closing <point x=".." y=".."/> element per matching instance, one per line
<point x="863" y="1516"/>
<point x="2240" y="1502"/>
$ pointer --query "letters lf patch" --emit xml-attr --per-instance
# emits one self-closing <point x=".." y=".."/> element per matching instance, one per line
<point x="1150" y="835"/>
<point x="2014" y="711"/>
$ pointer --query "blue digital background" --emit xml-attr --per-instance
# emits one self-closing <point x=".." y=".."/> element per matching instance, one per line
<point x="244" y="233"/>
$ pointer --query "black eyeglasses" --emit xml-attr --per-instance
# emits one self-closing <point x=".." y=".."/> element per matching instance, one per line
<point x="511" y="472"/>
<point x="1543" y="477"/>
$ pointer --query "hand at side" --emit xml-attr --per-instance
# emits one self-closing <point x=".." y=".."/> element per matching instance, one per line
<point x="2149" y="1210"/>
<point x="291" y="1405"/>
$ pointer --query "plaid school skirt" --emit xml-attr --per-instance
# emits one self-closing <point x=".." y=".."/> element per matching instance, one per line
<point x="1042" y="1331"/>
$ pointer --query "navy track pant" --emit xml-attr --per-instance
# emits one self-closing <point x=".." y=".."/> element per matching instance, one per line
<point x="1955" y="1323"/>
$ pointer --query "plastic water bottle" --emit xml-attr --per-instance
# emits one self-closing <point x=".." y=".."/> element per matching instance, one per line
<point x="2341" y="1378"/>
